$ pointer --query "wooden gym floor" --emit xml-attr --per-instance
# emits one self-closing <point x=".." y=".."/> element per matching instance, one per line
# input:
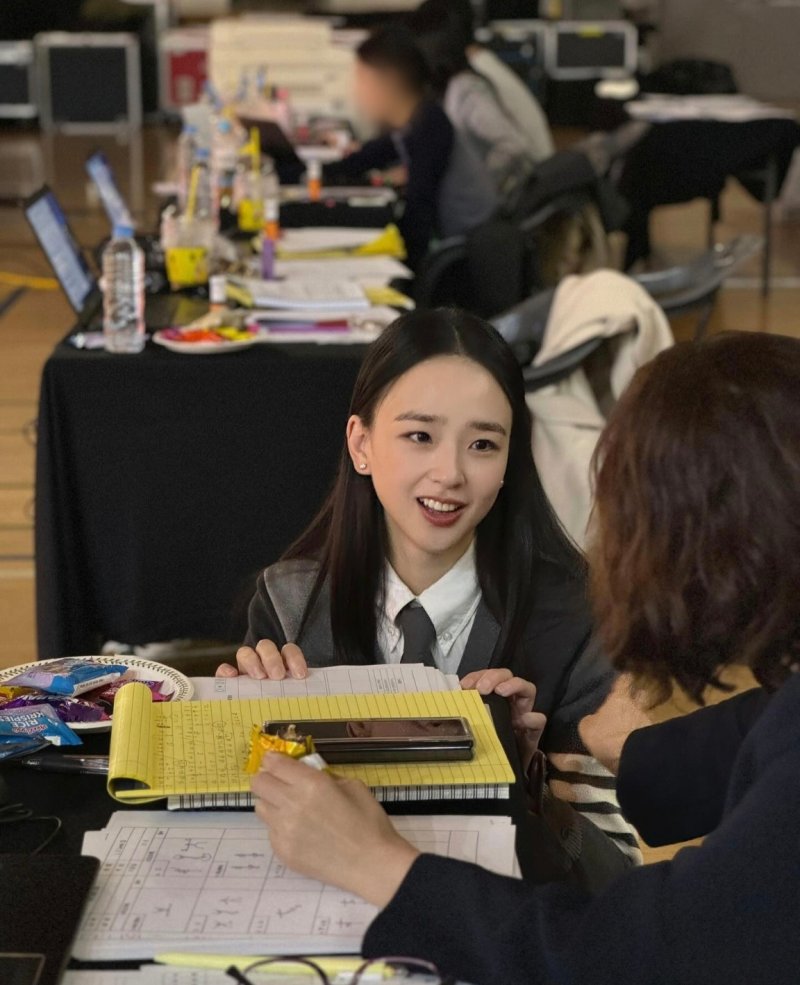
<point x="37" y="319"/>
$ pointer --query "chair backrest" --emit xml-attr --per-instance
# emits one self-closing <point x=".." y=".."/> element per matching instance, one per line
<point x="442" y="277"/>
<point x="482" y="272"/>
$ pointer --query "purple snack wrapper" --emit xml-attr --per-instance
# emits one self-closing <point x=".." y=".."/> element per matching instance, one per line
<point x="37" y="721"/>
<point x="67" y="709"/>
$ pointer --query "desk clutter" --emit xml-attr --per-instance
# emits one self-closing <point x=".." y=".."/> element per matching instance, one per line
<point x="202" y="889"/>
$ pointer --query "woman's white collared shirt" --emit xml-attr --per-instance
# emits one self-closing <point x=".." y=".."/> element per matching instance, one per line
<point x="451" y="604"/>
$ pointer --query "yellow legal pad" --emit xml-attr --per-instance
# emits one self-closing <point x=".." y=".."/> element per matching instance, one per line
<point x="196" y="750"/>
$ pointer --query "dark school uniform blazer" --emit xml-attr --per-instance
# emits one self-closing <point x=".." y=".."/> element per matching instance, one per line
<point x="725" y="913"/>
<point x="559" y="654"/>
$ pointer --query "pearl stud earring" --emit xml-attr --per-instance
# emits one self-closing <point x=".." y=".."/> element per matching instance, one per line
<point x="363" y="466"/>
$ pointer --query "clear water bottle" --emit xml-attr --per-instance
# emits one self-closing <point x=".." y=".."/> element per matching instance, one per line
<point x="184" y="160"/>
<point x="206" y="205"/>
<point x="224" y="158"/>
<point x="123" y="292"/>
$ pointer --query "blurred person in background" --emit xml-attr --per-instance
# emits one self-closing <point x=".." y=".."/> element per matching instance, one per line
<point x="448" y="190"/>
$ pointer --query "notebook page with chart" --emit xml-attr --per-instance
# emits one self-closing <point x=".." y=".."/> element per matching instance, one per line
<point x="210" y="883"/>
<point x="197" y="748"/>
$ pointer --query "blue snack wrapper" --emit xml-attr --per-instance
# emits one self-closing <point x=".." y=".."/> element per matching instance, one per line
<point x="68" y="677"/>
<point x="36" y="722"/>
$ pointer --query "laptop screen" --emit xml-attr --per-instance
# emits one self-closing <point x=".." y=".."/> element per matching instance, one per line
<point x="55" y="237"/>
<point x="100" y="172"/>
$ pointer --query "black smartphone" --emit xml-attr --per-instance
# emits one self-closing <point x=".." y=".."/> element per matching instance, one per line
<point x="386" y="740"/>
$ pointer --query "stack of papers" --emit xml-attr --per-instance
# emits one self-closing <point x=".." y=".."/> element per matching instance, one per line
<point x="325" y="239"/>
<point x="305" y="294"/>
<point x="324" y="681"/>
<point x="196" y="750"/>
<point x="372" y="269"/>
<point x="210" y="883"/>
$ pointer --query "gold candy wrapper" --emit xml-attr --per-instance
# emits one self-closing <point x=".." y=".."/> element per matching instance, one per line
<point x="290" y="743"/>
<point x="9" y="693"/>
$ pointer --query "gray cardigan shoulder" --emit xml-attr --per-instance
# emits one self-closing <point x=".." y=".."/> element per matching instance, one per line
<point x="279" y="606"/>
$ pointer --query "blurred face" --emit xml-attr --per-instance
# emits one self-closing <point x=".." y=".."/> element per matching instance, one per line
<point x="437" y="452"/>
<point x="376" y="93"/>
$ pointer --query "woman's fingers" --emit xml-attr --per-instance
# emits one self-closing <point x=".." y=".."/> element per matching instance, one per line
<point x="531" y="725"/>
<point x="279" y="780"/>
<point x="266" y="662"/>
<point x="520" y="693"/>
<point x="486" y="681"/>
<point x="295" y="661"/>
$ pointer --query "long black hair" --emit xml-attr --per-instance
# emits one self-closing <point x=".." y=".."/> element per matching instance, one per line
<point x="443" y="35"/>
<point x="349" y="537"/>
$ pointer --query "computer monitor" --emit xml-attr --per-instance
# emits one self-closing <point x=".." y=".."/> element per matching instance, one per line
<point x="116" y="208"/>
<point x="55" y="237"/>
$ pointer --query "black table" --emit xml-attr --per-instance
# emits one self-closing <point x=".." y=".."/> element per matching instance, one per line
<point x="164" y="482"/>
<point x="683" y="160"/>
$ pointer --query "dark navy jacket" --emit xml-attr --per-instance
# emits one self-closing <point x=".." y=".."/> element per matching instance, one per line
<point x="725" y="913"/>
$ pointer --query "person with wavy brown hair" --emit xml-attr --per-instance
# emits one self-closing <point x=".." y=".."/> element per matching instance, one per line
<point x="697" y="562"/>
<point x="696" y="566"/>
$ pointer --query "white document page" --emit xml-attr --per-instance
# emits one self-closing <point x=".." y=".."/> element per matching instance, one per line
<point x="323" y="681"/>
<point x="210" y="883"/>
<point x="377" y="268"/>
<point x="307" y="293"/>
<point x="317" y="239"/>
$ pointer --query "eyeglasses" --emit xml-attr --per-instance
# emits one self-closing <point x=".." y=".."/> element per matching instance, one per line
<point x="376" y="969"/>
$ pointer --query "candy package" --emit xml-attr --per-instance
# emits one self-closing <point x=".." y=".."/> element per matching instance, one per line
<point x="67" y="709"/>
<point x="38" y="722"/>
<point x="289" y="743"/>
<point x="68" y="677"/>
<point x="106" y="695"/>
<point x="8" y="693"/>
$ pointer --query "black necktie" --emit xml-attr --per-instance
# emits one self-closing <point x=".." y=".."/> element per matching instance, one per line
<point x="419" y="635"/>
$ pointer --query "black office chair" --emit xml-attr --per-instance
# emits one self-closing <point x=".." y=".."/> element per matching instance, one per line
<point x="483" y="271"/>
<point x="694" y="286"/>
<point x="496" y="265"/>
<point x="678" y="290"/>
<point x="523" y="328"/>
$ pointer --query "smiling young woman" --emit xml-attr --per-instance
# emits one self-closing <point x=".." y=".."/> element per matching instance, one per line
<point x="437" y="544"/>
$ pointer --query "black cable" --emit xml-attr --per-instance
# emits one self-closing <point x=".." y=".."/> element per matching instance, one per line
<point x="20" y="814"/>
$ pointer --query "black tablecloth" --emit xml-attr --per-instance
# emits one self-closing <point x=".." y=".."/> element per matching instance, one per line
<point x="164" y="483"/>
<point x="681" y="161"/>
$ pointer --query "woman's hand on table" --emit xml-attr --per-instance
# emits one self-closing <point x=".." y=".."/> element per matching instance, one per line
<point x="528" y="724"/>
<point x="331" y="829"/>
<point x="266" y="662"/>
<point x="606" y="731"/>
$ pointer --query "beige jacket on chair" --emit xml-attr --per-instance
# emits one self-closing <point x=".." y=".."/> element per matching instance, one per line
<point x="568" y="416"/>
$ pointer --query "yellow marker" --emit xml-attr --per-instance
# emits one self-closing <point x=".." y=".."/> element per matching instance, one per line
<point x="221" y="962"/>
<point x="191" y="199"/>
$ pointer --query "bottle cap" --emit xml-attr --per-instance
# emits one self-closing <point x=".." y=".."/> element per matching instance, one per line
<point x="123" y="230"/>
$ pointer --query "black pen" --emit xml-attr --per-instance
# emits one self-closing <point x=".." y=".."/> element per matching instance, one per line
<point x="66" y="763"/>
